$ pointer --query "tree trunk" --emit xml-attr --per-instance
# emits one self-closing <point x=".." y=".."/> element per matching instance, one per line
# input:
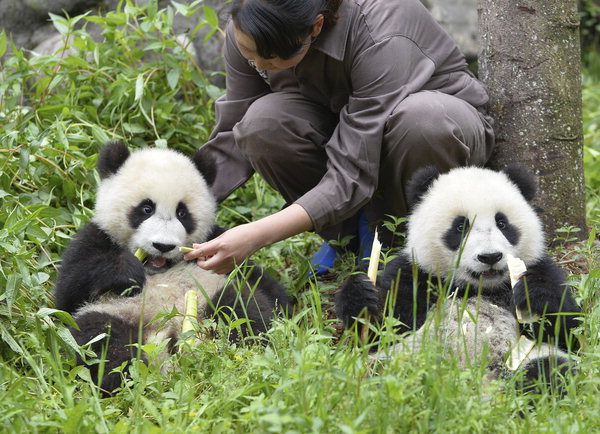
<point x="530" y="63"/>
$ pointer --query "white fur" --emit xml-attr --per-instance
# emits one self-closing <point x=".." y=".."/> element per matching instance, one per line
<point x="162" y="292"/>
<point x="477" y="194"/>
<point x="469" y="330"/>
<point x="166" y="177"/>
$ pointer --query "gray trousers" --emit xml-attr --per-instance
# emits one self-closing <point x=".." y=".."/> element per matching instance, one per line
<point x="283" y="136"/>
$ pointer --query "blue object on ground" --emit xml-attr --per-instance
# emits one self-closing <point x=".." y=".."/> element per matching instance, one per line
<point x="323" y="260"/>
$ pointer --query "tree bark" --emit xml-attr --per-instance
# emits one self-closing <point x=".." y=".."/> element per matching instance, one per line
<point x="530" y="63"/>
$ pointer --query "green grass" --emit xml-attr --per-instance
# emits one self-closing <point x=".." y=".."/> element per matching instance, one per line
<point x="141" y="86"/>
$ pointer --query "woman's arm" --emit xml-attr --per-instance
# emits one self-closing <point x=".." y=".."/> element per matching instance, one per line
<point x="233" y="246"/>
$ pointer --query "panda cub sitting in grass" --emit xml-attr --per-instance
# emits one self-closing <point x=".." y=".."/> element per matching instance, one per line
<point x="463" y="228"/>
<point x="157" y="200"/>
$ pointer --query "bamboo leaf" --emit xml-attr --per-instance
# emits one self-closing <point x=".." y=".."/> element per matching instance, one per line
<point x="3" y="43"/>
<point x="12" y="283"/>
<point x="6" y="337"/>
<point x="60" y="23"/>
<point x="211" y="16"/>
<point x="173" y="77"/>
<point x="139" y="87"/>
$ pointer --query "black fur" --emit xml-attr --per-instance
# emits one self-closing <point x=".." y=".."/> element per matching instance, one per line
<point x="117" y="344"/>
<point x="510" y="231"/>
<point x="111" y="158"/>
<point x="357" y="297"/>
<point x="458" y="230"/>
<point x="186" y="219"/>
<point x="92" y="265"/>
<point x="206" y="165"/>
<point x="419" y="183"/>
<point x="545" y="374"/>
<point x="252" y="296"/>
<point x="523" y="179"/>
<point x="544" y="292"/>
<point x="401" y="284"/>
<point x="141" y="212"/>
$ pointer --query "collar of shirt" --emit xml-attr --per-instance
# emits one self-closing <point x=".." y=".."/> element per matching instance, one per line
<point x="332" y="40"/>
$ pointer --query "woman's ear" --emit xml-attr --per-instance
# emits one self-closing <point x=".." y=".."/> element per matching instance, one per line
<point x="318" y="25"/>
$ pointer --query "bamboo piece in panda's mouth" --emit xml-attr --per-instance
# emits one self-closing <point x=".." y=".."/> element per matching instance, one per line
<point x="141" y="254"/>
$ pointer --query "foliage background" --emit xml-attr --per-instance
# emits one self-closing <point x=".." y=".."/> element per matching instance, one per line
<point x="141" y="84"/>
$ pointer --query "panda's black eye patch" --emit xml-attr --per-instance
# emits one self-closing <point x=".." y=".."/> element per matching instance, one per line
<point x="142" y="211"/>
<point x="456" y="232"/>
<point x="501" y="222"/>
<point x="185" y="217"/>
<point x="510" y="231"/>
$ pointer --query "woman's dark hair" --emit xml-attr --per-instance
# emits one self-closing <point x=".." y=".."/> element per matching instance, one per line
<point x="280" y="27"/>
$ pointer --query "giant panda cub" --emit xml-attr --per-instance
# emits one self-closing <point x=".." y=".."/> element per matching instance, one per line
<point x="463" y="228"/>
<point x="157" y="200"/>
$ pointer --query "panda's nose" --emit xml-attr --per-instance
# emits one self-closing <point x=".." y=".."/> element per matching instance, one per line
<point x="489" y="258"/>
<point x="163" y="248"/>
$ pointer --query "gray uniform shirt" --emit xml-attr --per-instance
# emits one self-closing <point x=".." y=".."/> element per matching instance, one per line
<point x="377" y="53"/>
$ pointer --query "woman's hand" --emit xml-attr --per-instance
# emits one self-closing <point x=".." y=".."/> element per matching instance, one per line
<point x="230" y="248"/>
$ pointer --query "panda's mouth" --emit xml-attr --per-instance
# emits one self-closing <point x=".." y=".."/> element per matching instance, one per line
<point x="157" y="264"/>
<point x="490" y="273"/>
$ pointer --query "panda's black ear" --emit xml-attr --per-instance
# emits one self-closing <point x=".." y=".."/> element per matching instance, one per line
<point x="111" y="157"/>
<point x="206" y="165"/>
<point x="419" y="182"/>
<point x="523" y="179"/>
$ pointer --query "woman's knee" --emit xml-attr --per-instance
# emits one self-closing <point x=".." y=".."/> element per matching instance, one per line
<point x="261" y="120"/>
<point x="282" y="126"/>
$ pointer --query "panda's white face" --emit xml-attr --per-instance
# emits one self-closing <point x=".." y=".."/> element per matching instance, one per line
<point x="468" y="222"/>
<point x="157" y="201"/>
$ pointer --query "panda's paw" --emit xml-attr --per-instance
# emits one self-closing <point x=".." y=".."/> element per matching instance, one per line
<point x="357" y="295"/>
<point x="110" y="383"/>
<point x="528" y="299"/>
<point x="130" y="279"/>
<point x="546" y="374"/>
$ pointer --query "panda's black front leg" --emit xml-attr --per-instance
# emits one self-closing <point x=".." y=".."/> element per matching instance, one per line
<point x="406" y="285"/>
<point x="543" y="293"/>
<point x="114" y="349"/>
<point x="92" y="265"/>
<point x="358" y="295"/>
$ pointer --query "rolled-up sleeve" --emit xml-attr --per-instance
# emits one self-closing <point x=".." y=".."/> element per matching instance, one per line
<point x="382" y="75"/>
